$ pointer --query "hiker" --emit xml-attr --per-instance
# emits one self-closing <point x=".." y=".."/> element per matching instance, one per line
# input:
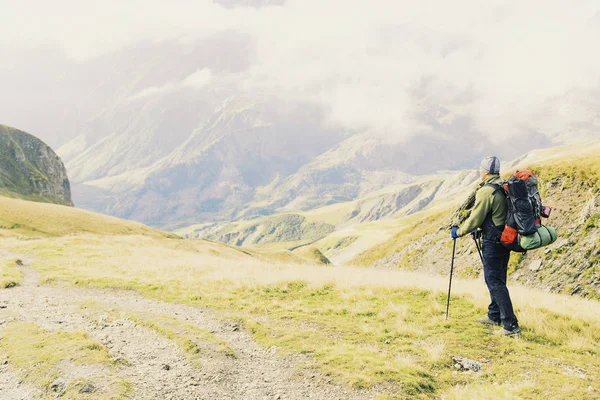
<point x="489" y="214"/>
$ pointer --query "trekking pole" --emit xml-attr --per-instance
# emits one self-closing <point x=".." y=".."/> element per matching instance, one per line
<point x="450" y="284"/>
<point x="478" y="249"/>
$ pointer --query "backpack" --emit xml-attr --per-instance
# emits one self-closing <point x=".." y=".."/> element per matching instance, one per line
<point x="524" y="229"/>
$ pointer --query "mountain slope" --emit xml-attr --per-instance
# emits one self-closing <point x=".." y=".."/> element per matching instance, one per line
<point x="570" y="184"/>
<point x="21" y="219"/>
<point x="210" y="173"/>
<point x="130" y="293"/>
<point x="249" y="159"/>
<point x="30" y="169"/>
<point x="401" y="227"/>
<point x="184" y="159"/>
<point x="342" y="229"/>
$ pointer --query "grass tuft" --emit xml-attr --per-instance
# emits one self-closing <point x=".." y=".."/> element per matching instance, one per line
<point x="40" y="356"/>
<point x="10" y="275"/>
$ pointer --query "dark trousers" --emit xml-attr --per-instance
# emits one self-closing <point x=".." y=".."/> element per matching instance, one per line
<point x="495" y="266"/>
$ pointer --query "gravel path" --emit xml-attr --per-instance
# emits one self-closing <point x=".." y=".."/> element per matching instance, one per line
<point x="156" y="366"/>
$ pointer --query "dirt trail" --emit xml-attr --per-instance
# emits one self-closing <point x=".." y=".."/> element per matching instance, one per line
<point x="156" y="366"/>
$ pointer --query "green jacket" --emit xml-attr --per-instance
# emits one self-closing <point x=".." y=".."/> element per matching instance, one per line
<point x="486" y="202"/>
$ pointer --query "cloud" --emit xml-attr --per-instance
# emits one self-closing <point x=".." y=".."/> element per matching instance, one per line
<point x="152" y="91"/>
<point x="366" y="62"/>
<point x="197" y="80"/>
<point x="372" y="65"/>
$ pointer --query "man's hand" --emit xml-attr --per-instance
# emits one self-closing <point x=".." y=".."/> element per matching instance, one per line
<point x="476" y="234"/>
<point x="454" y="232"/>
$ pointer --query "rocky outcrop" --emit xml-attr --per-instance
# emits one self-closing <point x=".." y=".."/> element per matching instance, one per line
<point x="30" y="169"/>
<point x="379" y="207"/>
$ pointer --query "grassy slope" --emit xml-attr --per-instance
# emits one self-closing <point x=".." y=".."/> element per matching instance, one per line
<point x="572" y="265"/>
<point x="26" y="218"/>
<point x="361" y="327"/>
<point x="332" y="228"/>
<point x="317" y="229"/>
<point x="570" y="179"/>
<point x="284" y="231"/>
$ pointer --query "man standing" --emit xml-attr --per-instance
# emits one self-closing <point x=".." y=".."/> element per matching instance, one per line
<point x="489" y="215"/>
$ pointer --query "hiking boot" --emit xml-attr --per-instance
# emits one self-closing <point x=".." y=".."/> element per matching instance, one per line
<point x="488" y="321"/>
<point x="505" y="332"/>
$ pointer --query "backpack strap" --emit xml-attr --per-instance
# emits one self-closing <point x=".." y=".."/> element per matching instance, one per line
<point x="497" y="188"/>
<point x="490" y="231"/>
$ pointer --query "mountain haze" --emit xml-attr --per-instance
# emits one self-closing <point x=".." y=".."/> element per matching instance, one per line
<point x="177" y="142"/>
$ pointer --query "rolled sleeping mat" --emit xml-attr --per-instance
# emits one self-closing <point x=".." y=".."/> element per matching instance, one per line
<point x="544" y="236"/>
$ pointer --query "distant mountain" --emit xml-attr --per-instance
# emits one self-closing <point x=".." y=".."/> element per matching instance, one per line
<point x="170" y="135"/>
<point x="179" y="158"/>
<point x="30" y="169"/>
<point x="243" y="159"/>
<point x="340" y="227"/>
<point x="164" y="175"/>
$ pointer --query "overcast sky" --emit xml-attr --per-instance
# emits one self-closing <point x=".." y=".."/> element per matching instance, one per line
<point x="362" y="60"/>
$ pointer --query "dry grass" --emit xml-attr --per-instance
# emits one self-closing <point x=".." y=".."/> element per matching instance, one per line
<point x="26" y="218"/>
<point x="155" y="260"/>
<point x="361" y="326"/>
<point x="435" y="348"/>
<point x="343" y="317"/>
<point x="480" y="391"/>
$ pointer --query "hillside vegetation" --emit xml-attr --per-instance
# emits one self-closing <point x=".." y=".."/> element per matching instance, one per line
<point x="569" y="183"/>
<point x="288" y="230"/>
<point x="26" y="219"/>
